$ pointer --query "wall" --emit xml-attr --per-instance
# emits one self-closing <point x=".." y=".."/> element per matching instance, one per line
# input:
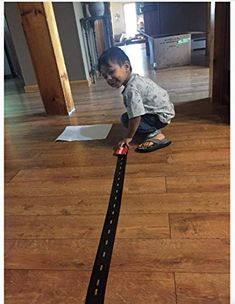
<point x="9" y="46"/>
<point x="67" y="28"/>
<point x="79" y="15"/>
<point x="118" y="25"/>
<point x="14" y="24"/>
<point x="7" y="70"/>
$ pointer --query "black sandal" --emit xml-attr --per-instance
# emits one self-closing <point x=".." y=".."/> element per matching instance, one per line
<point x="157" y="144"/>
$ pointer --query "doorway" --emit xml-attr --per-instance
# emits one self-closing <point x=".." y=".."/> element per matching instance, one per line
<point x="130" y="19"/>
<point x="127" y="21"/>
<point x="155" y="19"/>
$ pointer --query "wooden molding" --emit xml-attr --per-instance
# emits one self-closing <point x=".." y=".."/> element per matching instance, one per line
<point x="81" y="82"/>
<point x="33" y="88"/>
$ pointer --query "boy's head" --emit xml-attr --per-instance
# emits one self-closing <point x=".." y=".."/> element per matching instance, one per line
<point x="115" y="67"/>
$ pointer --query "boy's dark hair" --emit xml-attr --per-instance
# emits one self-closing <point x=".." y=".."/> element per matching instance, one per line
<point x="115" y="55"/>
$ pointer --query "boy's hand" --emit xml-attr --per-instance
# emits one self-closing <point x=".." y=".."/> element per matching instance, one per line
<point x="125" y="141"/>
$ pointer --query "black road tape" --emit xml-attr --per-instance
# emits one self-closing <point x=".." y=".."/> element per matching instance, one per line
<point x="100" y="272"/>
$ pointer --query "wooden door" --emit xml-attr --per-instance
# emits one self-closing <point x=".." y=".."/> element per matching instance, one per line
<point x="221" y="57"/>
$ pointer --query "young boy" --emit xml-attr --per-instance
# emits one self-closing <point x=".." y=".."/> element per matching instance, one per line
<point x="148" y="106"/>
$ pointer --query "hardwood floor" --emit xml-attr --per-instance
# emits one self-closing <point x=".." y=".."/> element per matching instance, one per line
<point x="172" y="242"/>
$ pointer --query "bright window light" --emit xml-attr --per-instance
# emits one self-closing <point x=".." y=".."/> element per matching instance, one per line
<point x="130" y="19"/>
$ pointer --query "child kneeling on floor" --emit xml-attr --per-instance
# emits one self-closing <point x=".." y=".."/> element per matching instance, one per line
<point x="148" y="106"/>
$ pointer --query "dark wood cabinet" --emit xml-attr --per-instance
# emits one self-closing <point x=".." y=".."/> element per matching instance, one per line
<point x="172" y="18"/>
<point x="151" y="18"/>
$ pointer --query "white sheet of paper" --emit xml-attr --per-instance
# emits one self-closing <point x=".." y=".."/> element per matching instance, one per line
<point x="85" y="132"/>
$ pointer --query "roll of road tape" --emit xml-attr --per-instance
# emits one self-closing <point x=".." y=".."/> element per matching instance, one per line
<point x="100" y="271"/>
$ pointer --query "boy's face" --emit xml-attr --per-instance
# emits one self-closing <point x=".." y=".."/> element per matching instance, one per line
<point x="116" y="75"/>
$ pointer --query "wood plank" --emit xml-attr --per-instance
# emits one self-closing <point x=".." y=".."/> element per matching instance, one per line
<point x="193" y="144"/>
<point x="36" y="174"/>
<point x="177" y="145"/>
<point x="167" y="255"/>
<point x="47" y="160"/>
<point x="52" y="287"/>
<point x="131" y="204"/>
<point x="136" y="170"/>
<point x="81" y="186"/>
<point x="155" y="164"/>
<point x="95" y="158"/>
<point x="181" y="133"/>
<point x="185" y="131"/>
<point x="47" y="287"/>
<point x="51" y="254"/>
<point x="222" y="154"/>
<point x="19" y="154"/>
<point x="140" y="287"/>
<point x="173" y="255"/>
<point x="90" y="226"/>
<point x="202" y="126"/>
<point x="10" y="174"/>
<point x="201" y="288"/>
<point x="198" y="183"/>
<point x="195" y="225"/>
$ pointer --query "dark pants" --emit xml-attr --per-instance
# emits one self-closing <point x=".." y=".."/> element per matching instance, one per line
<point x="149" y="123"/>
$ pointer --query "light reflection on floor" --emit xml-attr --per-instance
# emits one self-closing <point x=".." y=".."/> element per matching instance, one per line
<point x="185" y="83"/>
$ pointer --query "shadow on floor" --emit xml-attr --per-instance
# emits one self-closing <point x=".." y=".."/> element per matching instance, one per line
<point x="198" y="111"/>
<point x="202" y="110"/>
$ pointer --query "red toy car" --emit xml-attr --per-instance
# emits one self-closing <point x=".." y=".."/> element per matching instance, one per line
<point x="121" y="150"/>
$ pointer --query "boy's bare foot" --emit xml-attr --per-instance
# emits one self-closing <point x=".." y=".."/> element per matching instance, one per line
<point x="148" y="142"/>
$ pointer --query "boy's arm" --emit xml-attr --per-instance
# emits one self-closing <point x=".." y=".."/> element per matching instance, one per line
<point x="132" y="128"/>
